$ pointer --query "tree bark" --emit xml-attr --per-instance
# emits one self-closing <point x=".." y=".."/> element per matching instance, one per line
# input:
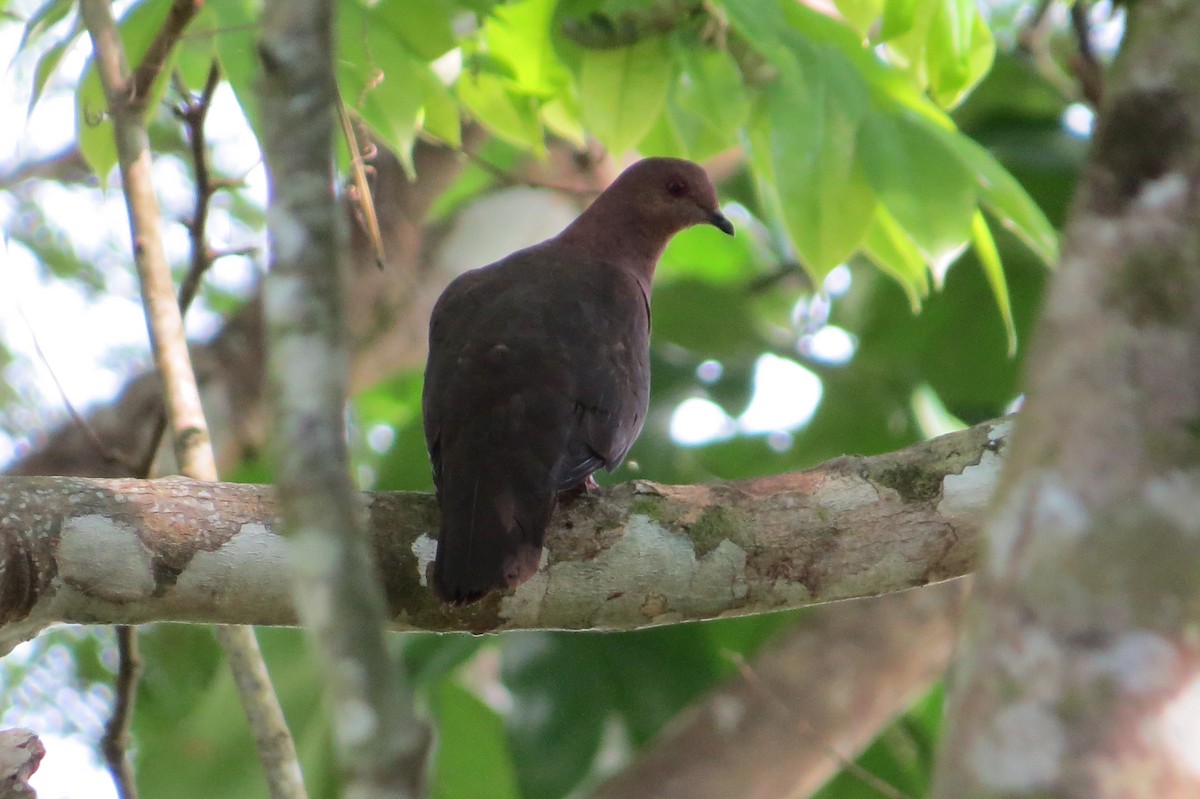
<point x="1080" y="678"/>
<point x="131" y="551"/>
<point x="381" y="744"/>
<point x="21" y="752"/>
<point x="810" y="703"/>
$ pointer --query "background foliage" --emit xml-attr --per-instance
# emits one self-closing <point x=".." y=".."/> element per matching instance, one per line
<point x="891" y="138"/>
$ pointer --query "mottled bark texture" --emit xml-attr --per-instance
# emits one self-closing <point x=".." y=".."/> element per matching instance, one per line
<point x="130" y="551"/>
<point x="381" y="746"/>
<point x="813" y="699"/>
<point x="21" y="752"/>
<point x="1083" y="666"/>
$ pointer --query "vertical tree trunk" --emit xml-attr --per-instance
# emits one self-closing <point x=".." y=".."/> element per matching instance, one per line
<point x="1082" y="677"/>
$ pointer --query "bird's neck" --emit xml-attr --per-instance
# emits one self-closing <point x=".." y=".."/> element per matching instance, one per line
<point x="609" y="232"/>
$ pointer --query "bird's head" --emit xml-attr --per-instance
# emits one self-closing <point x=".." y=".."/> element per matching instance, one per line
<point x="667" y="195"/>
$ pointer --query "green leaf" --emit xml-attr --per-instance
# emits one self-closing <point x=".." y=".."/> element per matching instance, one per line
<point x="921" y="181"/>
<point x="959" y="50"/>
<point x="425" y="26"/>
<point x="93" y="127"/>
<point x="234" y="27"/>
<point x="803" y="150"/>
<point x="899" y="16"/>
<point x="623" y="91"/>
<point x="380" y="78"/>
<point x="441" y="116"/>
<point x="759" y="22"/>
<point x="48" y="61"/>
<point x="711" y="88"/>
<point x="520" y="35"/>
<point x="989" y="260"/>
<point x="472" y="761"/>
<point x="1008" y="200"/>
<point x="861" y="14"/>
<point x="46" y="16"/>
<point x="890" y="248"/>
<point x="564" y="118"/>
<point x="707" y="103"/>
<point x="510" y="116"/>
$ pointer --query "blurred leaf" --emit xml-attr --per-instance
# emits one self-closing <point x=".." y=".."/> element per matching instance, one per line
<point x="425" y="26"/>
<point x="861" y="14"/>
<point x="379" y="77"/>
<point x="890" y="249"/>
<point x="920" y="181"/>
<point x="960" y="50"/>
<point x="442" y="117"/>
<point x="190" y="727"/>
<point x="1004" y="197"/>
<point x="405" y="467"/>
<point x="899" y="16"/>
<point x="708" y="255"/>
<point x="44" y="17"/>
<point x="93" y="127"/>
<point x="803" y="150"/>
<point x="519" y="34"/>
<point x="472" y="760"/>
<point x="196" y="53"/>
<point x="623" y="91"/>
<point x="561" y="701"/>
<point x="49" y="60"/>
<point x="711" y="321"/>
<point x="567" y="687"/>
<point x="707" y="103"/>
<point x="432" y="658"/>
<point x="235" y="29"/>
<point x="989" y="260"/>
<point x="510" y="116"/>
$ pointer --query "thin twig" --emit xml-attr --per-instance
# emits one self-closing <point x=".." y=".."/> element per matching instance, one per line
<point x="507" y="178"/>
<point x="1033" y="39"/>
<point x="364" y="201"/>
<point x="115" y="742"/>
<point x="1087" y="67"/>
<point x="780" y="707"/>
<point x="193" y="111"/>
<point x="193" y="447"/>
<point x="106" y="452"/>
<point x="143" y="78"/>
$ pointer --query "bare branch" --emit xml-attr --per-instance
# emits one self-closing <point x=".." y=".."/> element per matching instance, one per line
<point x="130" y="551"/>
<point x="147" y="72"/>
<point x="193" y="449"/>
<point x="1087" y="66"/>
<point x="115" y="742"/>
<point x="814" y="697"/>
<point x="171" y="357"/>
<point x="381" y="744"/>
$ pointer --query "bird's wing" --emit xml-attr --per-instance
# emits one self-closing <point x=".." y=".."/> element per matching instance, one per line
<point x="496" y="414"/>
<point x="611" y="374"/>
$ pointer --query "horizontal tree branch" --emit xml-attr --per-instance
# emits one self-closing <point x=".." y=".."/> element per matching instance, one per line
<point x="133" y="551"/>
<point x="812" y="700"/>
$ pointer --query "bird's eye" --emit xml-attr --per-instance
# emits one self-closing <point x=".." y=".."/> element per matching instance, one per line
<point x="676" y="188"/>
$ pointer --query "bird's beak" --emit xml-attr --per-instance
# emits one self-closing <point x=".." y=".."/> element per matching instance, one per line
<point x="718" y="220"/>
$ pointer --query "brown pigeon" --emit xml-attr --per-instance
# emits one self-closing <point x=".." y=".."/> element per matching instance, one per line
<point x="539" y="372"/>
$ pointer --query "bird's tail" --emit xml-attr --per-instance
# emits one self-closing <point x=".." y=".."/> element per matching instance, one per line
<point x="492" y="529"/>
